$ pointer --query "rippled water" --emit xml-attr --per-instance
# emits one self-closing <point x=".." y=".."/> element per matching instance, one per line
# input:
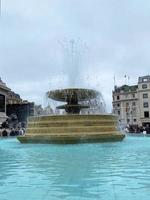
<point x="107" y="171"/>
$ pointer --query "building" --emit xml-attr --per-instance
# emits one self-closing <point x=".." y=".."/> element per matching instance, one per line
<point x="12" y="104"/>
<point x="132" y="103"/>
<point x="13" y="98"/>
<point x="21" y="110"/>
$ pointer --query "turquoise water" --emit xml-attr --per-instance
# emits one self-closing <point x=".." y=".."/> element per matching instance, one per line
<point x="107" y="171"/>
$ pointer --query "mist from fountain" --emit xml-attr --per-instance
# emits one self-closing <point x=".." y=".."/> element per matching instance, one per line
<point x="74" y="58"/>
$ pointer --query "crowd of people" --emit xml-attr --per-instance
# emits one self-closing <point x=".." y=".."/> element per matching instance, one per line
<point x="15" y="129"/>
<point x="137" y="129"/>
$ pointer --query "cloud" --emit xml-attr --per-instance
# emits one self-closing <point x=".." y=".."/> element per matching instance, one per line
<point x="112" y="38"/>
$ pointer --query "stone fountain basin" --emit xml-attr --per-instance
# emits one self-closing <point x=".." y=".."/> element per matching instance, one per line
<point x="69" y="129"/>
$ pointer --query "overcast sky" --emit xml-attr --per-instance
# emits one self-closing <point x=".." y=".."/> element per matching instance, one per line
<point x="111" y="38"/>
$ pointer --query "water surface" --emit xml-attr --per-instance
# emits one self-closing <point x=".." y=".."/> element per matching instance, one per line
<point x="106" y="171"/>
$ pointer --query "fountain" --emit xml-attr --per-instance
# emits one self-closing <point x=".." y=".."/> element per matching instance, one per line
<point x="72" y="127"/>
<point x="72" y="96"/>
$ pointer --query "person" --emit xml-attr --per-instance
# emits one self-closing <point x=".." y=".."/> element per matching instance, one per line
<point x="141" y="129"/>
<point x="5" y="124"/>
<point x="1" y="131"/>
<point x="144" y="132"/>
<point x="12" y="132"/>
<point x="16" y="132"/>
<point x="21" y="131"/>
<point x="126" y="130"/>
<point x="4" y="133"/>
<point x="19" y="125"/>
<point x="147" y="129"/>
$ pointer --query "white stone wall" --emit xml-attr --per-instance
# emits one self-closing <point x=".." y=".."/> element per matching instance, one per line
<point x="142" y="100"/>
<point x="132" y="104"/>
<point x="128" y="108"/>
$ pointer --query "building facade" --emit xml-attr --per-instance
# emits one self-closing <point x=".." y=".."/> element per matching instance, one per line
<point x="3" y="98"/>
<point x="132" y="103"/>
<point x="12" y="104"/>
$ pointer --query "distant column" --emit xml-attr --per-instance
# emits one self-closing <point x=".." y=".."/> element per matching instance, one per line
<point x="2" y="108"/>
<point x="2" y="103"/>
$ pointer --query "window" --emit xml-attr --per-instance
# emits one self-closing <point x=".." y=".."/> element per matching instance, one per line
<point x="144" y="86"/>
<point x="118" y="112"/>
<point x="118" y="97"/>
<point x="128" y="120"/>
<point x="115" y="105"/>
<point x="146" y="114"/>
<point x="118" y="105"/>
<point x="127" y="104"/>
<point x="134" y="120"/>
<point x="133" y="95"/>
<point x="145" y="104"/>
<point x="134" y="111"/>
<point x="145" y="79"/>
<point x="145" y="96"/>
<point x="133" y="104"/>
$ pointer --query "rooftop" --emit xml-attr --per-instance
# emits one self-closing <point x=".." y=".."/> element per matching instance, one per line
<point x="144" y="79"/>
<point x="3" y="85"/>
<point x="126" y="88"/>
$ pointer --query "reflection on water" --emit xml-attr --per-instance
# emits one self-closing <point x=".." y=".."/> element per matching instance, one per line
<point x="85" y="171"/>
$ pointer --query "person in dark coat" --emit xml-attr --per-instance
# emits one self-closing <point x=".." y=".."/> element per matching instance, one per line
<point x="12" y="132"/>
<point x="4" y="133"/>
<point x="147" y="129"/>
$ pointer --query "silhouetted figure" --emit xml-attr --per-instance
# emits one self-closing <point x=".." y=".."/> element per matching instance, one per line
<point x="147" y="129"/>
<point x="12" y="132"/>
<point x="16" y="132"/>
<point x="21" y="132"/>
<point x="4" y="133"/>
<point x="5" y="124"/>
<point x="141" y="129"/>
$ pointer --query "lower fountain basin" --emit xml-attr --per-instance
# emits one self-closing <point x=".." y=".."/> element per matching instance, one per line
<point x="68" y="129"/>
<point x="71" y="139"/>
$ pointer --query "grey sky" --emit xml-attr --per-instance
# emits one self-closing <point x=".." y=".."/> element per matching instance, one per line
<point x="113" y="38"/>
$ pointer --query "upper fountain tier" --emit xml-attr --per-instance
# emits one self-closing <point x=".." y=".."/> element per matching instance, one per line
<point x="72" y="96"/>
<point x="82" y="94"/>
